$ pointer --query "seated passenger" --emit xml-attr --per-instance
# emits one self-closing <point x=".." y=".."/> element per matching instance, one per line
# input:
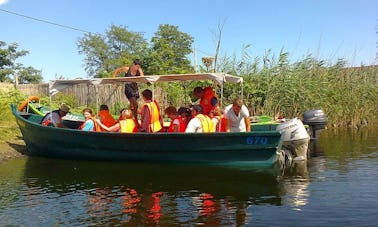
<point x="105" y="117"/>
<point x="126" y="123"/>
<point x="90" y="123"/>
<point x="178" y="122"/>
<point x="200" y="122"/>
<point x="121" y="116"/>
<point x="186" y="115"/>
<point x="219" y="121"/>
<point x="151" y="120"/>
<point x="54" y="118"/>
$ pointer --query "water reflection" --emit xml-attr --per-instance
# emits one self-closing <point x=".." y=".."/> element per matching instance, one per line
<point x="138" y="193"/>
<point x="295" y="185"/>
<point x="47" y="192"/>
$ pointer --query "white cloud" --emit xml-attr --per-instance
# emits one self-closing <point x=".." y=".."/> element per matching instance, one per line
<point x="2" y="2"/>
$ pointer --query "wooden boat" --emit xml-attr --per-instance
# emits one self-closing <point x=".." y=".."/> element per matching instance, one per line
<point x="249" y="148"/>
<point x="255" y="148"/>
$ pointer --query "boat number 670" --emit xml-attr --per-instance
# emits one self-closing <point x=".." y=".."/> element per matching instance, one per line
<point x="257" y="140"/>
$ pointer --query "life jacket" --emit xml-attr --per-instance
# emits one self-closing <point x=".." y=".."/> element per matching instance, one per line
<point x="96" y="126"/>
<point x="222" y="123"/>
<point x="207" y="123"/>
<point x="155" y="124"/>
<point x="106" y="118"/>
<point x="182" y="125"/>
<point x="206" y="100"/>
<point x="47" y="119"/>
<point x="127" y="126"/>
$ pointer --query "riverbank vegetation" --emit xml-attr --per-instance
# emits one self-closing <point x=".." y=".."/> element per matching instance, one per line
<point x="272" y="83"/>
<point x="348" y="95"/>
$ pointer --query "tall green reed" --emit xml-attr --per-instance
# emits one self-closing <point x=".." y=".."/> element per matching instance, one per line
<point x="273" y="84"/>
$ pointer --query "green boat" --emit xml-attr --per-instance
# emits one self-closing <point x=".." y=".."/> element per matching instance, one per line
<point x="255" y="148"/>
<point x="258" y="148"/>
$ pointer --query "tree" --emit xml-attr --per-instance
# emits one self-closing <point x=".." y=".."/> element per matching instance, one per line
<point x="106" y="53"/>
<point x="169" y="51"/>
<point x="29" y="75"/>
<point x="8" y="66"/>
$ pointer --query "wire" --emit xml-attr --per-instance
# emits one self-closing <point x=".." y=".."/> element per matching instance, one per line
<point x="44" y="21"/>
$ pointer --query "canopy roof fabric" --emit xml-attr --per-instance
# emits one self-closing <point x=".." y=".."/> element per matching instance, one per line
<point x="220" y="78"/>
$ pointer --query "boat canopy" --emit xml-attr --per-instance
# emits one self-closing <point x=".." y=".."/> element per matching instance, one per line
<point x="220" y="78"/>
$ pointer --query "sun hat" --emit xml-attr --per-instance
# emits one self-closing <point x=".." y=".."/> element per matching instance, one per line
<point x="63" y="107"/>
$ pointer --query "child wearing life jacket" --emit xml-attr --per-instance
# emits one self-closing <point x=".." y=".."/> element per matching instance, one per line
<point x="219" y="121"/>
<point x="178" y="121"/>
<point x="90" y="123"/>
<point x="151" y="120"/>
<point x="126" y="123"/>
<point x="105" y="117"/>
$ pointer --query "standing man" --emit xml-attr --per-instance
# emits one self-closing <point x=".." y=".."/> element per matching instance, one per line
<point x="131" y="88"/>
<point x="237" y="116"/>
<point x="208" y="99"/>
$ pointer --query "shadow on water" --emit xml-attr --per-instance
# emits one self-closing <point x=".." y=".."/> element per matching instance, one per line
<point x="21" y="148"/>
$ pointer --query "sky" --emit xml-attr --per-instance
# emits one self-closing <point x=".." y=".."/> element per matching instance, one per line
<point x="326" y="29"/>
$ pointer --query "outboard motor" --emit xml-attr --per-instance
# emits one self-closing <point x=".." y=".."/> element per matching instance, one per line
<point x="316" y="120"/>
<point x="295" y="138"/>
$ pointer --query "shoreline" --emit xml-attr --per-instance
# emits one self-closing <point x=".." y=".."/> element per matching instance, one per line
<point x="12" y="149"/>
<point x="11" y="143"/>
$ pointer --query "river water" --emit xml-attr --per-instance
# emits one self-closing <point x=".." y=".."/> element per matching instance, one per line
<point x="338" y="186"/>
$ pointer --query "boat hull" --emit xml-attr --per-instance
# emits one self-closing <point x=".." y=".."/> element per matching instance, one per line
<point x="249" y="148"/>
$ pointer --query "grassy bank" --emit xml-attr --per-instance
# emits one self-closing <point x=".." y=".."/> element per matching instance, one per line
<point x="11" y="143"/>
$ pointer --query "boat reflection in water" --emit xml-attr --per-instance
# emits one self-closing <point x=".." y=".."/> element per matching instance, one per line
<point x="295" y="184"/>
<point x="150" y="193"/>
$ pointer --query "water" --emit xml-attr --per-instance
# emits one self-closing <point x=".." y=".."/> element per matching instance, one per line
<point x="338" y="186"/>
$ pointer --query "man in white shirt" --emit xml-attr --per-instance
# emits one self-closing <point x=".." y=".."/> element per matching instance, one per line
<point x="237" y="116"/>
<point x="199" y="121"/>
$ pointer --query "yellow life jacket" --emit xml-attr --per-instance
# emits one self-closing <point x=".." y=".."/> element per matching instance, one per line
<point x="127" y="125"/>
<point x="207" y="123"/>
<point x="155" y="124"/>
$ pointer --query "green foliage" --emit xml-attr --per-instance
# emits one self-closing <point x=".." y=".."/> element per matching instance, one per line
<point x="29" y="75"/>
<point x="119" y="47"/>
<point x="68" y="99"/>
<point x="7" y="98"/>
<point x="8" y="67"/>
<point x="347" y="95"/>
<point x="105" y="53"/>
<point x="169" y="51"/>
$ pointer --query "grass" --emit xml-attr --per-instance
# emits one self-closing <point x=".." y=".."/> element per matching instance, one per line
<point x="11" y="143"/>
<point x="348" y="95"/>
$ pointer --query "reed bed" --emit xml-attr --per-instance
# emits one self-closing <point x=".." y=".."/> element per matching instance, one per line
<point x="348" y="95"/>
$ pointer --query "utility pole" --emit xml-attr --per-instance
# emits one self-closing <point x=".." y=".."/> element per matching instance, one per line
<point x="195" y="58"/>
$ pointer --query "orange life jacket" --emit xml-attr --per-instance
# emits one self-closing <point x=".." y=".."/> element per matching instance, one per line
<point x="222" y="123"/>
<point x="206" y="100"/>
<point x="207" y="123"/>
<point x="106" y="118"/>
<point x="155" y="124"/>
<point x="96" y="126"/>
<point x="182" y="124"/>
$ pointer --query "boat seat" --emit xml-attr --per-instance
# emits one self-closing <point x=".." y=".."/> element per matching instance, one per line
<point x="35" y="118"/>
